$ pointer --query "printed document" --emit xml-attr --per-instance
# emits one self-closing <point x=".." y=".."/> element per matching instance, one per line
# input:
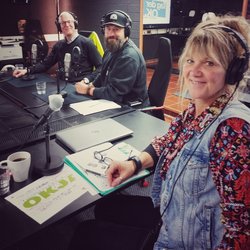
<point x="93" y="106"/>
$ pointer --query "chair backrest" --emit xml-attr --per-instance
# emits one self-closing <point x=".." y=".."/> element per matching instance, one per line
<point x="159" y="83"/>
<point x="94" y="37"/>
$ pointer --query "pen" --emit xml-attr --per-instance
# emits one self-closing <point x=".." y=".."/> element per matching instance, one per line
<point x="94" y="172"/>
<point x="89" y="171"/>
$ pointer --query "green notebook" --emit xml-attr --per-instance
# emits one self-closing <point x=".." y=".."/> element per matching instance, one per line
<point x="92" y="166"/>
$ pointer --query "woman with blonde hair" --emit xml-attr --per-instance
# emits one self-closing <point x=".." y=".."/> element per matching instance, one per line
<point x="202" y="174"/>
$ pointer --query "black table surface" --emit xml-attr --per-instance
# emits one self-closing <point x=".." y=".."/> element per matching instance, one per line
<point x="16" y="225"/>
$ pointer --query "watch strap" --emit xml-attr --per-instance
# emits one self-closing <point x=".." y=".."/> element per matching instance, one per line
<point x="137" y="161"/>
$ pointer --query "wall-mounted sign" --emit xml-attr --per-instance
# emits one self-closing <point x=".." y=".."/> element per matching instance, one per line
<point x="156" y="12"/>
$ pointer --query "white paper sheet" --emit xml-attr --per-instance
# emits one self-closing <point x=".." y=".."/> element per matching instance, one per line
<point x="93" y="106"/>
<point x="48" y="195"/>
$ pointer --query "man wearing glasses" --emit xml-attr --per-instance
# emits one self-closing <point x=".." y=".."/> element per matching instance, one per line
<point x="84" y="60"/>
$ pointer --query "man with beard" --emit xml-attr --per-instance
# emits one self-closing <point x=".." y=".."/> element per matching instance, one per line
<point x="123" y="75"/>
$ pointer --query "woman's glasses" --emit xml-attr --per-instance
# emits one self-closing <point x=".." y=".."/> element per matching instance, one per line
<point x="98" y="155"/>
<point x="101" y="158"/>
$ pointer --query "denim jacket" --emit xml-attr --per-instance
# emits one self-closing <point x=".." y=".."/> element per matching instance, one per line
<point x="192" y="219"/>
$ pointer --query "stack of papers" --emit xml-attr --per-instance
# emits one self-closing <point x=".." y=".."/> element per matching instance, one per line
<point x="48" y="195"/>
<point x="93" y="106"/>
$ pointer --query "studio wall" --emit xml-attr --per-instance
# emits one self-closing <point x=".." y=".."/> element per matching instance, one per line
<point x="89" y="13"/>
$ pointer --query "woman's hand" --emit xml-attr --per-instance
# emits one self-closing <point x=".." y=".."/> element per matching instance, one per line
<point x="119" y="171"/>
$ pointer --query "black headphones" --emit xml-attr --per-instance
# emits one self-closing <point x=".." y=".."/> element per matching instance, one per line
<point x="238" y="65"/>
<point x="58" y="23"/>
<point x="123" y="20"/>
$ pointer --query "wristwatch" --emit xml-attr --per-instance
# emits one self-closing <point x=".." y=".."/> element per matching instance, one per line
<point x="86" y="80"/>
<point x="137" y="161"/>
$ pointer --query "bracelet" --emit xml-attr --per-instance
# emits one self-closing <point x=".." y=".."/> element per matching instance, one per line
<point x="138" y="164"/>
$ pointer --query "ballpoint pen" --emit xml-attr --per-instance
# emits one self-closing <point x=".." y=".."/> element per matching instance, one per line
<point x="94" y="172"/>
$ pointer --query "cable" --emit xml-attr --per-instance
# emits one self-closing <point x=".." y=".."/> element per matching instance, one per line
<point x="38" y="106"/>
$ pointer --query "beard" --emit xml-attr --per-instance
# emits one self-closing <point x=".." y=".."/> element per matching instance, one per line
<point x="113" y="44"/>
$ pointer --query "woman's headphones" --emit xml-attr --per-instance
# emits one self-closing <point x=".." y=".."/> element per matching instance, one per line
<point x="119" y="18"/>
<point x="238" y="65"/>
<point x="57" y="22"/>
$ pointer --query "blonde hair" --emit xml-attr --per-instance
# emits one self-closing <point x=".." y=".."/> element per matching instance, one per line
<point x="209" y="39"/>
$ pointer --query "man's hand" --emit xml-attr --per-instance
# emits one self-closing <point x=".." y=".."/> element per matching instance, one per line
<point x="19" y="72"/>
<point x="118" y="172"/>
<point x="83" y="88"/>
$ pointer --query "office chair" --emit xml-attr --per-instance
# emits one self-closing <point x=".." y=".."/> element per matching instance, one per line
<point x="95" y="39"/>
<point x="160" y="80"/>
<point x="159" y="83"/>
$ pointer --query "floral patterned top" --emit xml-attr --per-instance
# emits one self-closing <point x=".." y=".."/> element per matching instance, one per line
<point x="229" y="163"/>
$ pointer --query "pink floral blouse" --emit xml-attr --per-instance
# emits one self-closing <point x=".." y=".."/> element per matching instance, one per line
<point x="229" y="162"/>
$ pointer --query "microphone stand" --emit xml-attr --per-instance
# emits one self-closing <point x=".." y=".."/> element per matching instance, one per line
<point x="57" y="81"/>
<point x="28" y="76"/>
<point x="62" y="92"/>
<point x="53" y="163"/>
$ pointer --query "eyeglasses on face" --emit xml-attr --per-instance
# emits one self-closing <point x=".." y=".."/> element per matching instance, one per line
<point x="63" y="23"/>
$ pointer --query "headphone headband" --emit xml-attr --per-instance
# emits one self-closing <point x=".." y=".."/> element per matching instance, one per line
<point x="118" y="18"/>
<point x="242" y="41"/>
<point x="238" y="65"/>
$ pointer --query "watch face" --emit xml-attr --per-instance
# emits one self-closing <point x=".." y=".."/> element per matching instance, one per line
<point x="86" y="80"/>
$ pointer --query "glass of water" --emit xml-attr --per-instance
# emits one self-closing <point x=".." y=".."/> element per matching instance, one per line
<point x="41" y="88"/>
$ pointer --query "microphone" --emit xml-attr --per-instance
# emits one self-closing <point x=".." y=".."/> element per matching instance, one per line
<point x="33" y="54"/>
<point x="76" y="53"/>
<point x="33" y="60"/>
<point x="53" y="163"/>
<point x="40" y="41"/>
<point x="67" y="62"/>
<point x="55" y="104"/>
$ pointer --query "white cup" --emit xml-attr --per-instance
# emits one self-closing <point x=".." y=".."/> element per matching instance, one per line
<point x="19" y="164"/>
<point x="41" y="87"/>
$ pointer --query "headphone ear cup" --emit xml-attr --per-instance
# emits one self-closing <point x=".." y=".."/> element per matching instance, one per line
<point x="75" y="19"/>
<point x="76" y="24"/>
<point x="127" y="30"/>
<point x="128" y="25"/>
<point x="235" y="71"/>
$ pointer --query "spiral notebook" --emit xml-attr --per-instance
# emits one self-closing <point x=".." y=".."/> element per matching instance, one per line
<point x="87" y="135"/>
